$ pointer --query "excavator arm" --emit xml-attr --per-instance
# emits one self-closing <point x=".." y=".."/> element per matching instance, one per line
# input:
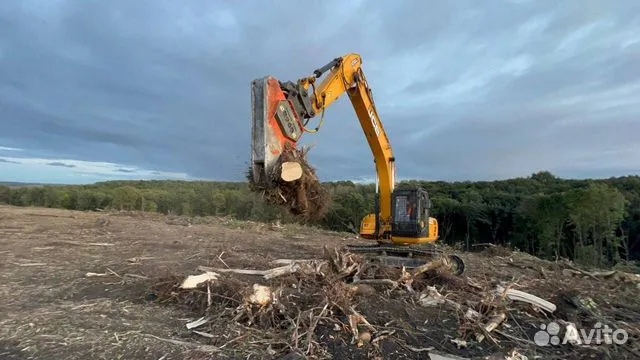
<point x="295" y="104"/>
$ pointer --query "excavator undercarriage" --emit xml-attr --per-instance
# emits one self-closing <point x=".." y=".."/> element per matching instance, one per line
<point x="410" y="257"/>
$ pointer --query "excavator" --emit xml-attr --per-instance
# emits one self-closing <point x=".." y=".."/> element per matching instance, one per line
<point x="401" y="225"/>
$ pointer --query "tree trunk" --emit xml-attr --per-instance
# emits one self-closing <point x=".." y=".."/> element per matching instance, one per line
<point x="467" y="239"/>
<point x="557" y="242"/>
<point x="625" y="244"/>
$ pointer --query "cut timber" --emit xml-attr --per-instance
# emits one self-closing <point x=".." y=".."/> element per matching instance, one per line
<point x="291" y="171"/>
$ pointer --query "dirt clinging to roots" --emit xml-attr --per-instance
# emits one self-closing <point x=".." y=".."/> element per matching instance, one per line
<point x="305" y="198"/>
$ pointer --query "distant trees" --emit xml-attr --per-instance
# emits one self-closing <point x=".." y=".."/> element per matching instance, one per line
<point x="592" y="221"/>
<point x="546" y="217"/>
<point x="596" y="212"/>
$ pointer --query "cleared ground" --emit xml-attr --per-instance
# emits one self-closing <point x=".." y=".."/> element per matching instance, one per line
<point x="79" y="285"/>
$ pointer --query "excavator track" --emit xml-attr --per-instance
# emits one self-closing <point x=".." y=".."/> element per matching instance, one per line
<point x="407" y="256"/>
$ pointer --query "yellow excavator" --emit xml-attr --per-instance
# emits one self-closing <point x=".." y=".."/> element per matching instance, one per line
<point x="401" y="225"/>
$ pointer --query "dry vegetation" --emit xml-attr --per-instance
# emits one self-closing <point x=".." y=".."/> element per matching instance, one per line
<point x="82" y="285"/>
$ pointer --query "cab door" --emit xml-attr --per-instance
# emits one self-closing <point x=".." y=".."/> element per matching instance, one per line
<point x="406" y="213"/>
<point x="424" y="205"/>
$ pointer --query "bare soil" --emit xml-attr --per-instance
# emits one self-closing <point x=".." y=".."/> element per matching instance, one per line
<point x="83" y="285"/>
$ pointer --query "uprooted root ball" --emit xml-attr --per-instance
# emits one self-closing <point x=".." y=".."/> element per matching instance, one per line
<point x="305" y="198"/>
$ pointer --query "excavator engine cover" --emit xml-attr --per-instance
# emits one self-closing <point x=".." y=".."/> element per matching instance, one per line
<point x="275" y="125"/>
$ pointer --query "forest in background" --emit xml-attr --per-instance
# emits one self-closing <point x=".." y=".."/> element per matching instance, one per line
<point x="593" y="222"/>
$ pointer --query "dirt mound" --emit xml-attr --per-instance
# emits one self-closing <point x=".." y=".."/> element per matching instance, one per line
<point x="305" y="198"/>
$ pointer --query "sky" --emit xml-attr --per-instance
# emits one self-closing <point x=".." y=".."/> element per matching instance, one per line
<point x="466" y="90"/>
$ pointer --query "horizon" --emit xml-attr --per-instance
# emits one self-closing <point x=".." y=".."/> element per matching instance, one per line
<point x="358" y="182"/>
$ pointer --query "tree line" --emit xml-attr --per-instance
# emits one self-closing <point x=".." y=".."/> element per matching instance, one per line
<point x="595" y="222"/>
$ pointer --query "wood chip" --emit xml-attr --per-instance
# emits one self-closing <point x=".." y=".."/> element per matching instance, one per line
<point x="194" y="324"/>
<point x="202" y="333"/>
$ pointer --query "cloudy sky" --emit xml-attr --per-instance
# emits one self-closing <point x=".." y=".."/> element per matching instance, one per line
<point x="467" y="90"/>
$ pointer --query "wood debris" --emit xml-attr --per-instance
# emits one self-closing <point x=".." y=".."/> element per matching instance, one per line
<point x="93" y="274"/>
<point x="304" y="300"/>
<point x="193" y="281"/>
<point x="194" y="324"/>
<point x="78" y="243"/>
<point x="29" y="264"/>
<point x="290" y="268"/>
<point x="261" y="295"/>
<point x="431" y="297"/>
<point x="518" y="295"/>
<point x="491" y="325"/>
<point x="597" y="275"/>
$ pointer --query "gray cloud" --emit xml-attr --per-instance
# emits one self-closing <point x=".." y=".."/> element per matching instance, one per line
<point x="61" y="164"/>
<point x="464" y="91"/>
<point x="6" y="161"/>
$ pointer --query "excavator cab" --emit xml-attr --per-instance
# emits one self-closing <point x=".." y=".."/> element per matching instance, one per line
<point x="411" y="221"/>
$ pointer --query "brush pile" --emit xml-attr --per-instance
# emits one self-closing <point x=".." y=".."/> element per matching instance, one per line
<point x="342" y="306"/>
<point x="298" y="307"/>
<point x="305" y="198"/>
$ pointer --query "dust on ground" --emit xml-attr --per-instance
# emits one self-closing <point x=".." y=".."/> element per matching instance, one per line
<point x="79" y="285"/>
